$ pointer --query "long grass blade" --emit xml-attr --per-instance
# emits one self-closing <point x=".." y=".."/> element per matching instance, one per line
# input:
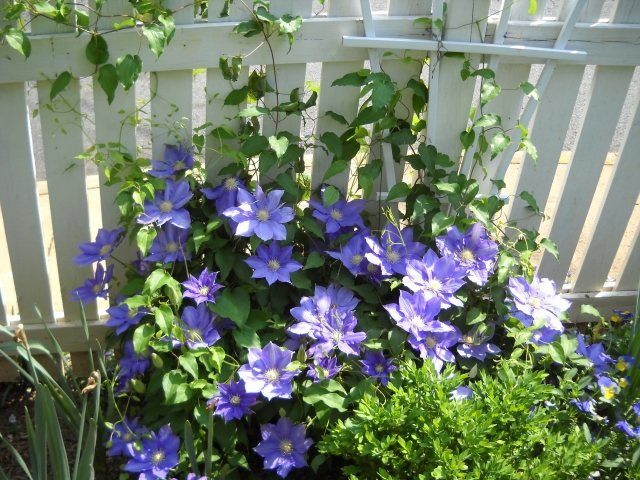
<point x="190" y="447"/>
<point x="80" y="438"/>
<point x="59" y="460"/>
<point x="17" y="457"/>
<point x="85" y="466"/>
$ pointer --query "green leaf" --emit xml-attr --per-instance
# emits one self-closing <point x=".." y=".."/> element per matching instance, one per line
<point x="314" y="260"/>
<point x="59" y="84"/>
<point x="144" y="239"/>
<point x="551" y="247"/>
<point x="333" y="143"/>
<point x="330" y="196"/>
<point x="489" y="91"/>
<point x="533" y="7"/>
<point x="382" y="94"/>
<point x="253" y="111"/>
<point x="246" y="337"/>
<point x="485" y="73"/>
<point x="590" y="310"/>
<point x="254" y="145"/>
<point x="156" y="37"/>
<point x="279" y="145"/>
<point x="189" y="363"/>
<point x="488" y="120"/>
<point x="18" y="40"/>
<point x="499" y="142"/>
<point x="233" y="304"/>
<point x="82" y="18"/>
<point x="97" y="51"/>
<point x="475" y="315"/>
<point x="128" y="68"/>
<point x="164" y="318"/>
<point x="141" y="337"/>
<point x="354" y="79"/>
<point x="108" y="80"/>
<point x="531" y="202"/>
<point x="336" y="167"/>
<point x="399" y="190"/>
<point x="319" y="393"/>
<point x="156" y="281"/>
<point x="174" y="385"/>
<point x="236" y="97"/>
<point x="369" y="115"/>
<point x="467" y="138"/>
<point x="440" y="222"/>
<point x="289" y="184"/>
<point x="530" y="90"/>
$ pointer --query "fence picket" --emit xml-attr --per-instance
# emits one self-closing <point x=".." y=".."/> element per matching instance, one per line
<point x="409" y="7"/>
<point x="630" y="277"/>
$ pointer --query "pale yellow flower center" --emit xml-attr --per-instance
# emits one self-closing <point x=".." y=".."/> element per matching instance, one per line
<point x="356" y="259"/>
<point x="371" y="268"/>
<point x="393" y="256"/>
<point x="166" y="206"/>
<point x="431" y="342"/>
<point x="609" y="393"/>
<point x="535" y="302"/>
<point x="263" y="215"/>
<point x="379" y="368"/>
<point x="132" y="312"/>
<point x="337" y="336"/>
<point x="416" y="320"/>
<point x="105" y="249"/>
<point x="235" y="400"/>
<point x="172" y="247"/>
<point x="272" y="375"/>
<point x="336" y="215"/>
<point x="204" y="290"/>
<point x="434" y="285"/>
<point x="468" y="339"/>
<point x="286" y="447"/>
<point x="179" y="165"/>
<point x="97" y="288"/>
<point x="467" y="255"/>
<point x="157" y="457"/>
<point x="230" y="184"/>
<point x="273" y="264"/>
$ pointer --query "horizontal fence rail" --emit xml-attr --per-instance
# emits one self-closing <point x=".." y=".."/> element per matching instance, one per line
<point x="586" y="182"/>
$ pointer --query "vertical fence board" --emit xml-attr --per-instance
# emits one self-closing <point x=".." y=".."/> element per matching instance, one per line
<point x="19" y="200"/>
<point x="607" y="96"/>
<point x="621" y="195"/>
<point x="409" y="7"/>
<point x="341" y="100"/>
<point x="630" y="277"/>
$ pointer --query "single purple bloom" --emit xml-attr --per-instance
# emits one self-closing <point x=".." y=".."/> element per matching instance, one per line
<point x="323" y="368"/>
<point x="608" y="387"/>
<point x="352" y="254"/>
<point x="198" y="328"/>
<point x="474" y="251"/>
<point x="123" y="434"/>
<point x="283" y="446"/>
<point x="260" y="214"/>
<point x="626" y="428"/>
<point x="545" y="335"/>
<point x="595" y="353"/>
<point x="538" y="299"/>
<point x="158" y="453"/>
<point x="267" y="372"/>
<point x="415" y="313"/>
<point x="169" y="245"/>
<point x="435" y="277"/>
<point x="336" y="331"/>
<point x="273" y="263"/>
<point x="122" y="317"/>
<point x="225" y="195"/>
<point x="461" y="393"/>
<point x="435" y="345"/>
<point x="340" y="216"/>
<point x="94" y="287"/>
<point x="621" y="315"/>
<point x="232" y="402"/>
<point x="394" y="250"/>
<point x="203" y="288"/>
<point x="377" y="366"/>
<point x="101" y="249"/>
<point x="586" y="406"/>
<point x="475" y="343"/>
<point x="167" y="206"/>
<point x="176" y="158"/>
<point x="142" y="266"/>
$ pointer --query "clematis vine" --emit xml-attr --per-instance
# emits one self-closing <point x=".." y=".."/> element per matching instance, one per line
<point x="283" y="446"/>
<point x="232" y="402"/>
<point x="393" y="251"/>
<point x="94" y="287"/>
<point x="203" y="288"/>
<point x="157" y="455"/>
<point x="377" y="366"/>
<point x="273" y="263"/>
<point x="169" y="245"/>
<point x="339" y="217"/>
<point x="198" y="328"/>
<point x="168" y="206"/>
<point x="225" y="195"/>
<point x="106" y="241"/>
<point x="176" y="158"/>
<point x="267" y="371"/>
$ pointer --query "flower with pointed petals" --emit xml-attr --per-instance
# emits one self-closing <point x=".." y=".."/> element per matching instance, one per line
<point x="122" y="317"/>
<point x="336" y="331"/>
<point x="267" y="372"/>
<point x="167" y="206"/>
<point x="123" y="434"/>
<point x="595" y="353"/>
<point x="260" y="214"/>
<point x="435" y="345"/>
<point x="273" y="263"/>
<point x="475" y="343"/>
<point x="175" y="159"/>
<point x="538" y="299"/>
<point x="198" y="328"/>
<point x="340" y="216"/>
<point x="323" y="368"/>
<point x="101" y="249"/>
<point x="415" y="313"/>
<point x="352" y="254"/>
<point x="461" y="393"/>
<point x="169" y="245"/>
<point x="393" y="251"/>
<point x="225" y="195"/>
<point x="283" y="446"/>
<point x="609" y="388"/>
<point x="232" y="402"/>
<point x="545" y="335"/>
<point x="158" y="453"/>
<point x="377" y="366"/>
<point x="626" y="428"/>
<point x="203" y="288"/>
<point x="131" y="364"/>
<point x="435" y="277"/>
<point x="94" y="287"/>
<point x="141" y="265"/>
<point x="474" y="251"/>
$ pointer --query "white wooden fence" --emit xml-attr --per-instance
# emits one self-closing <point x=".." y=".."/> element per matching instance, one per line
<point x="558" y="45"/>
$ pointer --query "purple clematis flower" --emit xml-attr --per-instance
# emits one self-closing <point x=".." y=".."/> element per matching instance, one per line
<point x="198" y="328"/>
<point x="339" y="217"/>
<point x="169" y="245"/>
<point x="267" y="372"/>
<point x="545" y="335"/>
<point x="323" y="368"/>
<point x="262" y="215"/>
<point x="203" y="288"/>
<point x="394" y="250"/>
<point x="435" y="345"/>
<point x="142" y="266"/>
<point x="225" y="195"/>
<point x="538" y="300"/>
<point x="474" y="251"/>
<point x="124" y="433"/>
<point x="94" y="287"/>
<point x="415" y="314"/>
<point x="131" y="364"/>
<point x="609" y="388"/>
<point x="232" y="402"/>
<point x="273" y="263"/>
<point x="336" y="331"/>
<point x="175" y="159"/>
<point x="377" y="366"/>
<point x="595" y="353"/>
<point x="122" y="317"/>
<point x="167" y="206"/>
<point x="475" y="343"/>
<point x="283" y="446"/>
<point x="435" y="277"/>
<point x="158" y="454"/>
<point x="626" y="428"/>
<point x="586" y="406"/>
<point x="101" y="249"/>
<point x="461" y="393"/>
<point x="352" y="254"/>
